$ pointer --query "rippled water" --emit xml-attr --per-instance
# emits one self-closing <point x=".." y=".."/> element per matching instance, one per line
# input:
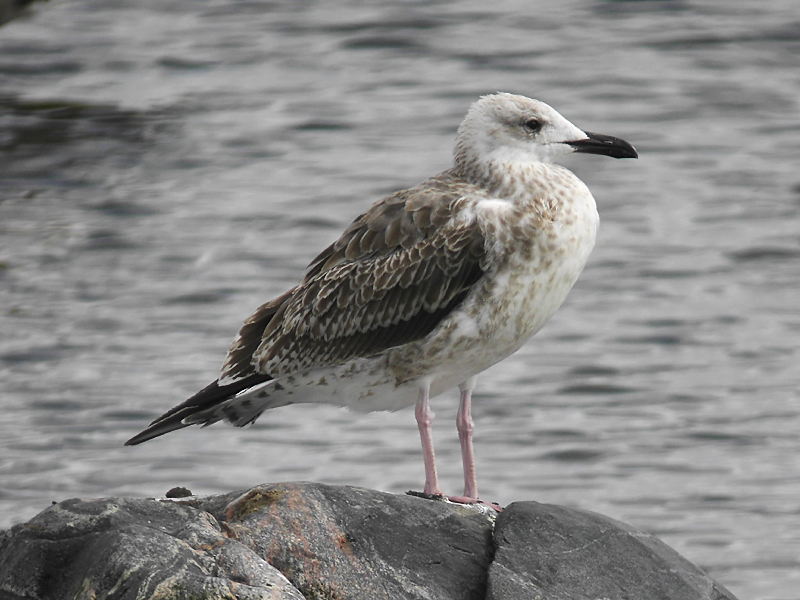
<point x="165" y="167"/>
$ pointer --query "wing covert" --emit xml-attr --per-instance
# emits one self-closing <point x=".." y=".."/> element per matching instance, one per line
<point x="390" y="279"/>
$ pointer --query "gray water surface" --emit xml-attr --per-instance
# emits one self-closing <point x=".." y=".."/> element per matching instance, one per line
<point x="166" y="167"/>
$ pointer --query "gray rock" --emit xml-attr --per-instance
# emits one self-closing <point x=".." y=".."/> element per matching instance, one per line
<point x="303" y="540"/>
<point x="351" y="543"/>
<point x="558" y="553"/>
<point x="125" y="548"/>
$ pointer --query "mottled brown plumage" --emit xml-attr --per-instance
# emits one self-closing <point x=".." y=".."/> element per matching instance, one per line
<point x="427" y="288"/>
<point x="387" y="281"/>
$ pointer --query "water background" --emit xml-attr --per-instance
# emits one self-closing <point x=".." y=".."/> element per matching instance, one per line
<point x="167" y="166"/>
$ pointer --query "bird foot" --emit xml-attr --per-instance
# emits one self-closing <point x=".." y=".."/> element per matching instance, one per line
<point x="456" y="499"/>
<point x="468" y="500"/>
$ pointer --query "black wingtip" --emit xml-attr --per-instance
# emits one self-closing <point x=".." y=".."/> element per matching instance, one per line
<point x="210" y="396"/>
<point x="155" y="430"/>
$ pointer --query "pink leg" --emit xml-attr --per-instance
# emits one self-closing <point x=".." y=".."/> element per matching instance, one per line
<point x="465" y="428"/>
<point x="425" y="416"/>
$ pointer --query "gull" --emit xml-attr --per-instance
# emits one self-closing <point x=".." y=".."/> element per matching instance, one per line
<point x="426" y="289"/>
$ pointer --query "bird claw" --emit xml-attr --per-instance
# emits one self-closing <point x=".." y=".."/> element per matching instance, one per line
<point x="456" y="500"/>
<point x="467" y="500"/>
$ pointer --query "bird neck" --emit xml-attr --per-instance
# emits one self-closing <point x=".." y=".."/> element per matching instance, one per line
<point x="508" y="175"/>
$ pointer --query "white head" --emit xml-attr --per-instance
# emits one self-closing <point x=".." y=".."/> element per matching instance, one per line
<point x="505" y="128"/>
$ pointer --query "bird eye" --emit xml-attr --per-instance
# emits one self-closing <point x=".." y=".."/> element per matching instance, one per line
<point x="533" y="125"/>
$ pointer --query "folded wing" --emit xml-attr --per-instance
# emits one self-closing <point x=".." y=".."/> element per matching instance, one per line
<point x="395" y="273"/>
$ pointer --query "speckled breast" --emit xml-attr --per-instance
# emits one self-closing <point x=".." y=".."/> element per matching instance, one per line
<point x="537" y="248"/>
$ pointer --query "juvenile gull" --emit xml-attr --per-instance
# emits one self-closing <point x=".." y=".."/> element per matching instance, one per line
<point x="429" y="287"/>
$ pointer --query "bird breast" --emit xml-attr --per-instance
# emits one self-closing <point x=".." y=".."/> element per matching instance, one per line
<point x="538" y="244"/>
<point x="538" y="236"/>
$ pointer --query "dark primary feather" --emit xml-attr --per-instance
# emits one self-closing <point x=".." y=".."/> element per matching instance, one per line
<point x="390" y="279"/>
<point x="209" y="396"/>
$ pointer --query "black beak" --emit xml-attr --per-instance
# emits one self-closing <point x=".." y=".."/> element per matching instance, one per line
<point x="597" y="143"/>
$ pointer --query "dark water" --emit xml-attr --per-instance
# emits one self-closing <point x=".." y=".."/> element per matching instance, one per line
<point x="165" y="167"/>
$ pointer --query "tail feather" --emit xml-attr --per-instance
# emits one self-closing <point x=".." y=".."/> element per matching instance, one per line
<point x="201" y="406"/>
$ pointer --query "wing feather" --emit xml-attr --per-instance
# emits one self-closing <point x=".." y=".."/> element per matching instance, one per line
<point x="395" y="273"/>
<point x="390" y="279"/>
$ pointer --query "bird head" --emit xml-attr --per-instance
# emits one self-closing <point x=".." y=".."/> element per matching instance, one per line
<point x="506" y="128"/>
